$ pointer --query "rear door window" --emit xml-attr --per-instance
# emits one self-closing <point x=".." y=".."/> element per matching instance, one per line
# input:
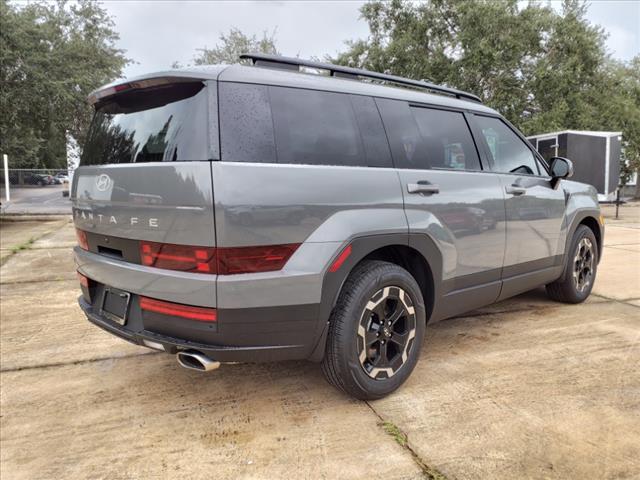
<point x="428" y="138"/>
<point x="447" y="139"/>
<point x="374" y="138"/>
<point x="161" y="124"/>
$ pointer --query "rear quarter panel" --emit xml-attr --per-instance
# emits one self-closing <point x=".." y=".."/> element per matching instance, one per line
<point x="321" y="207"/>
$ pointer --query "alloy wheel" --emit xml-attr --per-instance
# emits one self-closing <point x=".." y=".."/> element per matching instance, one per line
<point x="386" y="331"/>
<point x="583" y="265"/>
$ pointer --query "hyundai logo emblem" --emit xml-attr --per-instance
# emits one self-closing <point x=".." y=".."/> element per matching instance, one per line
<point x="103" y="182"/>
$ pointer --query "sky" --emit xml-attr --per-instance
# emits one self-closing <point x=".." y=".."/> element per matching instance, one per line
<point x="157" y="33"/>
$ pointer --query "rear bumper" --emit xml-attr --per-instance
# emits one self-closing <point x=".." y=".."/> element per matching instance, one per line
<point x="260" y="317"/>
<point x="258" y="343"/>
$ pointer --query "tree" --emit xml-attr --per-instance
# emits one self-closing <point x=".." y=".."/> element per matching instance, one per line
<point x="485" y="47"/>
<point x="543" y="70"/>
<point x="52" y="55"/>
<point x="231" y="45"/>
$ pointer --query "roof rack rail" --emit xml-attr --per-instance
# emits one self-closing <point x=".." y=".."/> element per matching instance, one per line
<point x="289" y="63"/>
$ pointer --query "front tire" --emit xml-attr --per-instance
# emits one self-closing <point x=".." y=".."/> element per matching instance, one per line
<point x="581" y="266"/>
<point x="376" y="331"/>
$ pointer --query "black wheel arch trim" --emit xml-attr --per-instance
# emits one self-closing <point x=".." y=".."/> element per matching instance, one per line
<point x="577" y="220"/>
<point x="361" y="247"/>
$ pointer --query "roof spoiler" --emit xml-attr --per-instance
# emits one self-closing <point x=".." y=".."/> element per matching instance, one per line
<point x="289" y="63"/>
<point x="113" y="89"/>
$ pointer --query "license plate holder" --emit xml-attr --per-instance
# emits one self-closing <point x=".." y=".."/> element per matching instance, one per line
<point x="115" y="305"/>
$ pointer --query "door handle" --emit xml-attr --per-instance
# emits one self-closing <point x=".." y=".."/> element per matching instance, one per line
<point x="515" y="190"/>
<point x="423" y="188"/>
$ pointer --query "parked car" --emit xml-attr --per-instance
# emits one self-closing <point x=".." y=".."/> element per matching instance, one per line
<point x="63" y="177"/>
<point x="272" y="215"/>
<point x="36" y="179"/>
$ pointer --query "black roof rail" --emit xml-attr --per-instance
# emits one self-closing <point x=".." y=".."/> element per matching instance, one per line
<point x="289" y="63"/>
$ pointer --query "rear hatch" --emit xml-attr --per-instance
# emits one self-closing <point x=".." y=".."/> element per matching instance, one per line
<point x="145" y="171"/>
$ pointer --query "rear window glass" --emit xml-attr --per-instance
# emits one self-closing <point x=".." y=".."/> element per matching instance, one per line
<point x="161" y="124"/>
<point x="265" y="124"/>
<point x="315" y="128"/>
<point x="246" y="127"/>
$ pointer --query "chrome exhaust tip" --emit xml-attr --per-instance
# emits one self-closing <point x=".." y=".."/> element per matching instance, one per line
<point x="196" y="361"/>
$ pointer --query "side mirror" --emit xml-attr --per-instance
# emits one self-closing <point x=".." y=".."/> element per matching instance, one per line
<point x="560" y="168"/>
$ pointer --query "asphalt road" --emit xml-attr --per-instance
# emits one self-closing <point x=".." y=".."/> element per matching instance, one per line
<point x="526" y="388"/>
<point x="34" y="200"/>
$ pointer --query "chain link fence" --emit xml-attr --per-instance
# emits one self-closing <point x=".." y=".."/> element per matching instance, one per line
<point x="27" y="191"/>
<point x="35" y="177"/>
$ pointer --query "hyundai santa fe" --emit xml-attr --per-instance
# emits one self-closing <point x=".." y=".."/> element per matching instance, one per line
<point x="265" y="212"/>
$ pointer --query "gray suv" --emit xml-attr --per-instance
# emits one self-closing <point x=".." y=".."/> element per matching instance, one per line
<point x="300" y="210"/>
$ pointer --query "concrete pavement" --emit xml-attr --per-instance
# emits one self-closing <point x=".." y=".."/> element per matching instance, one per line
<point x="526" y="388"/>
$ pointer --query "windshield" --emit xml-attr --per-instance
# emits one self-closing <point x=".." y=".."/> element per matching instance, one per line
<point x="163" y="124"/>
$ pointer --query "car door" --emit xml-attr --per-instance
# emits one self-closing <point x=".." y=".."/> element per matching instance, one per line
<point x="450" y="198"/>
<point x="534" y="208"/>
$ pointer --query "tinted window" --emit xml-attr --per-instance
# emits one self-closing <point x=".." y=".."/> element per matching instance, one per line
<point x="316" y="128"/>
<point x="404" y="138"/>
<point x="509" y="153"/>
<point x="167" y="123"/>
<point x="423" y="138"/>
<point x="372" y="132"/>
<point x="447" y="140"/>
<point x="287" y="125"/>
<point x="246" y="128"/>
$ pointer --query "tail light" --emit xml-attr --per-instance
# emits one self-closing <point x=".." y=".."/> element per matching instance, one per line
<point x="189" y="312"/>
<point x="178" y="257"/>
<point x="223" y="261"/>
<point x="81" y="235"/>
<point x="254" y="259"/>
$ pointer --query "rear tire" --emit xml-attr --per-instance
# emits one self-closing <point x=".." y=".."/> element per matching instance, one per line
<point x="580" y="269"/>
<point x="376" y="331"/>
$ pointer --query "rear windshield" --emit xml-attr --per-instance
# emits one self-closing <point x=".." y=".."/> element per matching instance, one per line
<point x="161" y="124"/>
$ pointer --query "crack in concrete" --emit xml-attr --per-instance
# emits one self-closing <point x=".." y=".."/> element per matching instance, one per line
<point x="624" y="300"/>
<point x="32" y="240"/>
<point x="20" y="282"/>
<point x="428" y="472"/>
<point x="76" y="362"/>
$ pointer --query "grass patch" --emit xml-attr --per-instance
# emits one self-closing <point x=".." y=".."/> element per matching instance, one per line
<point x="429" y="472"/>
<point x="23" y="246"/>
<point x="396" y="433"/>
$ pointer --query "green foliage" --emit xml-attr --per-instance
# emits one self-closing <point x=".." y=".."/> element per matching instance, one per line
<point x="231" y="45"/>
<point x="52" y="55"/>
<point x="543" y="70"/>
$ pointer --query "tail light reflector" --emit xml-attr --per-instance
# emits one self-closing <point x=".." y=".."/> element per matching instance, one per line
<point x="335" y="266"/>
<point x="81" y="235"/>
<point x="201" y="314"/>
<point x="84" y="281"/>
<point x="223" y="261"/>
<point x="85" y="286"/>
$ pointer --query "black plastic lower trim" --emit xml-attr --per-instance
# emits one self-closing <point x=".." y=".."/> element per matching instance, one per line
<point x="222" y="353"/>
